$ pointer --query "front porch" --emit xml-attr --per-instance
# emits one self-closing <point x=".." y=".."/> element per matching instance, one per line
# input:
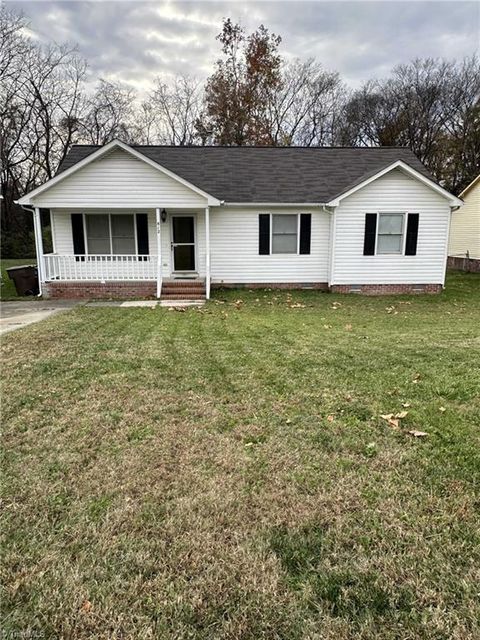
<point x="170" y="258"/>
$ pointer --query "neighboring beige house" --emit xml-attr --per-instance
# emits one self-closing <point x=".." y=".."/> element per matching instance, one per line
<point x="464" y="244"/>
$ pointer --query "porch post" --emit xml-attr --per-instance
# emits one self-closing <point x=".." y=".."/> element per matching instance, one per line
<point x="159" y="253"/>
<point x="207" y="253"/>
<point x="37" y="227"/>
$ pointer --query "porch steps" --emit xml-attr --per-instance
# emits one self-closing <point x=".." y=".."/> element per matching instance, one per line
<point x="183" y="290"/>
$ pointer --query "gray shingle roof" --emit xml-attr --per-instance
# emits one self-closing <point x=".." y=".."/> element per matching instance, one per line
<point x="270" y="174"/>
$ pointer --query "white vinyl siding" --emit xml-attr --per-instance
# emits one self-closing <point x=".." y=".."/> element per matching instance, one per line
<point x="119" y="180"/>
<point x="392" y="192"/>
<point x="234" y="234"/>
<point x="465" y="226"/>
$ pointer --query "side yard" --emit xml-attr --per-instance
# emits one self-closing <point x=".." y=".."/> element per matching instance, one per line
<point x="272" y="465"/>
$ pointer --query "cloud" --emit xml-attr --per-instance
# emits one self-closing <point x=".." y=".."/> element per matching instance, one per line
<point x="135" y="41"/>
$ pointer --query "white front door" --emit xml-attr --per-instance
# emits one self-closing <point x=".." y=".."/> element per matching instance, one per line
<point x="183" y="243"/>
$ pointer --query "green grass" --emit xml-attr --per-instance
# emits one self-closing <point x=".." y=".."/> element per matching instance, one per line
<point x="7" y="287"/>
<point x="225" y="472"/>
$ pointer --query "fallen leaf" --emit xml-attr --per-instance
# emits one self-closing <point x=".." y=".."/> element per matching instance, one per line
<point x="418" y="434"/>
<point x="391" y="419"/>
<point x="442" y="409"/>
<point x="401" y="414"/>
<point x="86" y="606"/>
<point x="330" y="418"/>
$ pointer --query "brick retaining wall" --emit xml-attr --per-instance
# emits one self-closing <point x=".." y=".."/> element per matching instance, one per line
<point x="464" y="264"/>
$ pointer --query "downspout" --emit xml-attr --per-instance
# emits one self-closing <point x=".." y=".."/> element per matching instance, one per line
<point x="445" y="261"/>
<point x="207" y="253"/>
<point x="159" y="253"/>
<point x="333" y="227"/>
<point x="37" y="228"/>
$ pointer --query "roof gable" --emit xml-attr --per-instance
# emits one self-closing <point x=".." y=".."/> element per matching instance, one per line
<point x="103" y="153"/>
<point x="404" y="168"/>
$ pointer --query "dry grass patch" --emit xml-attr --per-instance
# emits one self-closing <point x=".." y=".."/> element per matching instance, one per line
<point x="225" y="472"/>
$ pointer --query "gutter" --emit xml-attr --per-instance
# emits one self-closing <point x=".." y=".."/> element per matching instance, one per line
<point x="273" y="204"/>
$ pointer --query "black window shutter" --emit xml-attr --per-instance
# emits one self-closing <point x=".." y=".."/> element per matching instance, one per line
<point x="142" y="233"/>
<point x="305" y="232"/>
<point x="264" y="234"/>
<point x="77" y="234"/>
<point x="370" y="233"/>
<point x="412" y="235"/>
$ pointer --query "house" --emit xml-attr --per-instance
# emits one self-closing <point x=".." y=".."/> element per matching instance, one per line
<point x="172" y="222"/>
<point x="464" y="245"/>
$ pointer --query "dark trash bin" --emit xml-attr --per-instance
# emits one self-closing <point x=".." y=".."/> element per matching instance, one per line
<point x="25" y="279"/>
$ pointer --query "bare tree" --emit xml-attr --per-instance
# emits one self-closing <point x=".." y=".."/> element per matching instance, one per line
<point x="304" y="106"/>
<point x="40" y="107"/>
<point x="174" y="109"/>
<point x="110" y="113"/>
<point x="432" y="107"/>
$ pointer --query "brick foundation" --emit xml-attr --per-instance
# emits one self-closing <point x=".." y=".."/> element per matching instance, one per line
<point x="320" y="286"/>
<point x="386" y="289"/>
<point x="99" y="291"/>
<point x="464" y="264"/>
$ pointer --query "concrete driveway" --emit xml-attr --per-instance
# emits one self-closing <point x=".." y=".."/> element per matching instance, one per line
<point x="15" y="315"/>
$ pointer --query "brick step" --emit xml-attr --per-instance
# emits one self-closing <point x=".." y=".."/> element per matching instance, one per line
<point x="180" y="289"/>
<point x="183" y="290"/>
<point x="183" y="283"/>
<point x="183" y="296"/>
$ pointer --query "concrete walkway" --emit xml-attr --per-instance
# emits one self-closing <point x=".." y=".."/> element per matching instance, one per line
<point x="15" y="315"/>
<point x="174" y="304"/>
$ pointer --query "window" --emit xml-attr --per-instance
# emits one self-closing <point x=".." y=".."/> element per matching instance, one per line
<point x="110" y="234"/>
<point x="390" y="233"/>
<point x="284" y="233"/>
<point x="123" y="234"/>
<point x="98" y="234"/>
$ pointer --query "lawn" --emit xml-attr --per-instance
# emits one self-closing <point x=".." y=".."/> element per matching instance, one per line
<point x="7" y="287"/>
<point x="225" y="472"/>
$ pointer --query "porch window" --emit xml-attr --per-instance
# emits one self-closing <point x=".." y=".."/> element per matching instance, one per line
<point x="110" y="234"/>
<point x="284" y="233"/>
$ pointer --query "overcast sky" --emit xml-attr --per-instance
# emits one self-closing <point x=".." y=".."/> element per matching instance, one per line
<point x="133" y="41"/>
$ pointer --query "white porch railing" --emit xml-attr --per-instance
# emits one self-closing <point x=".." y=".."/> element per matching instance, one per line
<point x="99" y="267"/>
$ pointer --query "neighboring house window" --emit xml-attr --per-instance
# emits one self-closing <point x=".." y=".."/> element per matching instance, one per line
<point x="110" y="234"/>
<point x="390" y="233"/>
<point x="284" y="233"/>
